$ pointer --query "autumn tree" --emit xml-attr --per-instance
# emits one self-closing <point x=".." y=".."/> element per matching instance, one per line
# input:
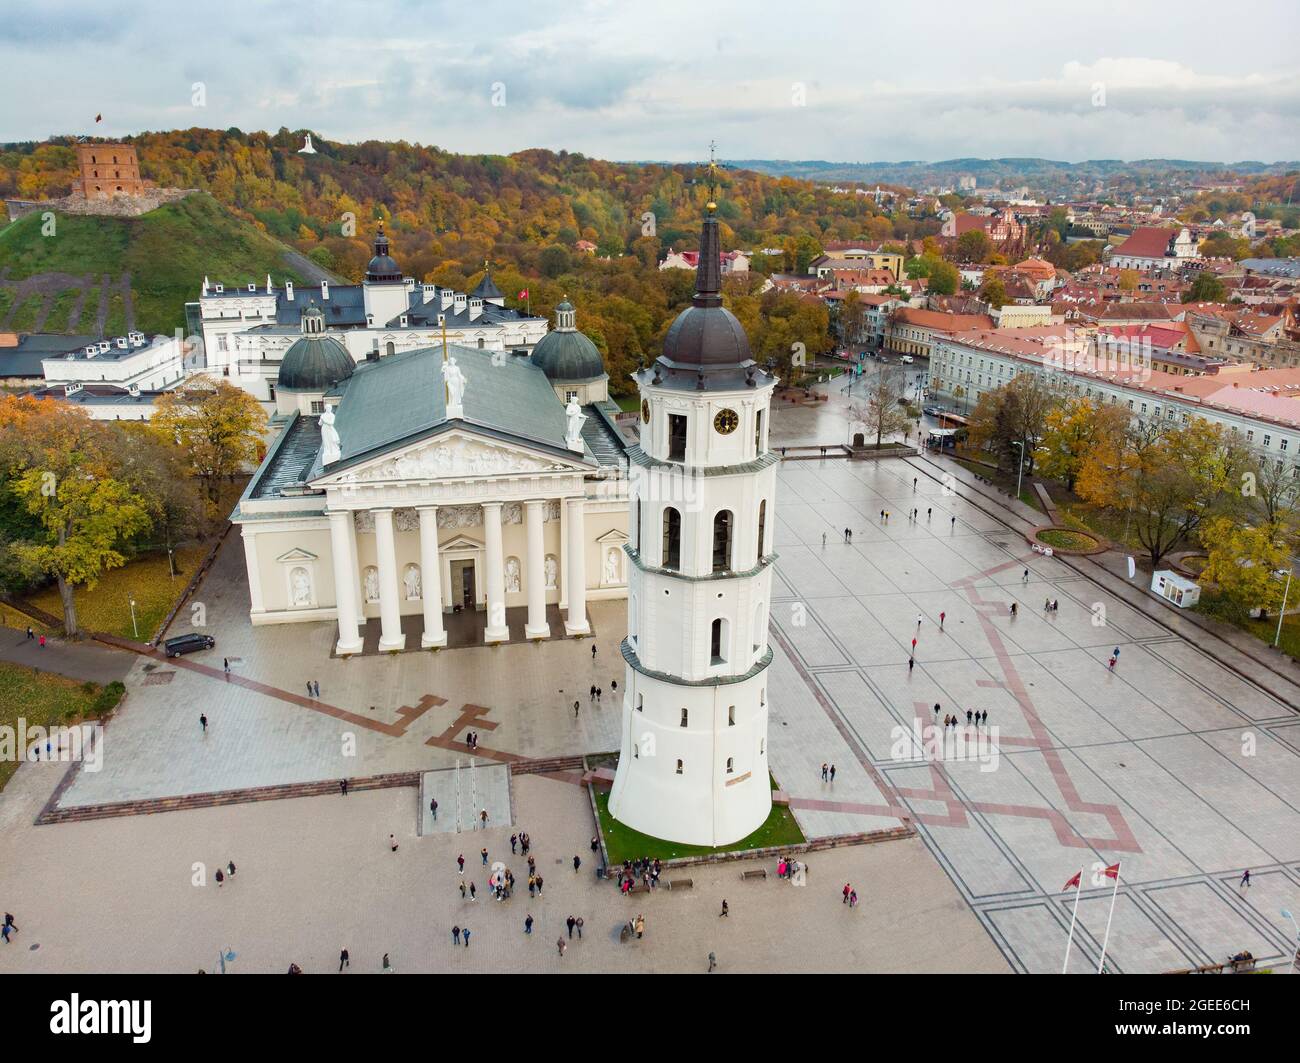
<point x="218" y="425"/>
<point x="973" y="246"/>
<point x="1071" y="432"/>
<point x="1206" y="288"/>
<point x="881" y="409"/>
<point x="943" y="279"/>
<point x="63" y="474"/>
<point x="1010" y="421"/>
<point x="994" y="292"/>
<point x="1169" y="480"/>
<point x="1243" y="564"/>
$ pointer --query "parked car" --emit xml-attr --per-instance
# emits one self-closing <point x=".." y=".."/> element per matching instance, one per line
<point x="191" y="643"/>
<point x="907" y="359"/>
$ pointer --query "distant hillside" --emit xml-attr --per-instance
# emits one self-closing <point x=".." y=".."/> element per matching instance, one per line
<point x="991" y="171"/>
<point x="105" y="274"/>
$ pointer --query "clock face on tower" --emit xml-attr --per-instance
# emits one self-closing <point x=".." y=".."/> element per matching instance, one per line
<point x="725" y="421"/>
<point x="645" y="412"/>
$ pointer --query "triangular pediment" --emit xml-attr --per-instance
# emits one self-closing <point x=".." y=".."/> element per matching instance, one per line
<point x="297" y="554"/>
<point x="613" y="536"/>
<point x="453" y="456"/>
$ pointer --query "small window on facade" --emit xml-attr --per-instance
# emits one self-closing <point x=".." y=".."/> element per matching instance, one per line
<point x="685" y="715"/>
<point x="731" y="765"/>
<point x="640" y="703"/>
<point x="731" y="715"/>
<point x="679" y="767"/>
<point x="676" y="437"/>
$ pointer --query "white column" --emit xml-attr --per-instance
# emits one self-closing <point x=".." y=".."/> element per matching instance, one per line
<point x="576" y="620"/>
<point x="497" y="629"/>
<point x="431" y="579"/>
<point x="390" y="617"/>
<point x="254" y="574"/>
<point x="537" y="627"/>
<point x="358" y="594"/>
<point x="564" y="556"/>
<point x="345" y="575"/>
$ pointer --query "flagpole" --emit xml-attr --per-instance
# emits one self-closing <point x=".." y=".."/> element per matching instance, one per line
<point x="1069" y="941"/>
<point x="1106" y="940"/>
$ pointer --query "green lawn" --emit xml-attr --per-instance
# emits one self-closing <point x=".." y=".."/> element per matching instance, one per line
<point x="44" y="699"/>
<point x="1067" y="540"/>
<point x="25" y="315"/>
<point x="1264" y="630"/>
<point x="623" y="843"/>
<point x="1005" y="481"/>
<point x="61" y="310"/>
<point x="107" y="607"/>
<point x="167" y="252"/>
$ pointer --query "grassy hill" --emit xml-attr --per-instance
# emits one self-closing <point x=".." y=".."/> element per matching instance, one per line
<point x="166" y="254"/>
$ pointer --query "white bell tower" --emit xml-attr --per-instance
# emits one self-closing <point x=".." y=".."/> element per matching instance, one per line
<point x="693" y="751"/>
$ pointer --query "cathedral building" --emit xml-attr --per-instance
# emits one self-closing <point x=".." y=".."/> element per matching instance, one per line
<point x="693" y="753"/>
<point x="436" y="494"/>
<point x="248" y="330"/>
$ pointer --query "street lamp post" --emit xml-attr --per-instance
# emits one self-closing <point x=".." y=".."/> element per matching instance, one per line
<point x="1020" y="472"/>
<point x="1295" y="959"/>
<point x="1281" y="615"/>
<point x="134" y="627"/>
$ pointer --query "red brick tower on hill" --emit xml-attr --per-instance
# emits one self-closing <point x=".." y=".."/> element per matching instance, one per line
<point x="109" y="170"/>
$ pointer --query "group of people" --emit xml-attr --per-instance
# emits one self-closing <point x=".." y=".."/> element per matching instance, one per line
<point x="471" y="739"/>
<point x="788" y="867"/>
<point x="850" y="895"/>
<point x="828" y="772"/>
<point x="1050" y="605"/>
<point x="642" y="868"/>
<point x="972" y="717"/>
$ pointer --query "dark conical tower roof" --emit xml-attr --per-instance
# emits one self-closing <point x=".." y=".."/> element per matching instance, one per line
<point x="706" y="338"/>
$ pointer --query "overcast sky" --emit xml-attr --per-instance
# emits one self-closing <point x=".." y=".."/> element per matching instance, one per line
<point x="796" y="79"/>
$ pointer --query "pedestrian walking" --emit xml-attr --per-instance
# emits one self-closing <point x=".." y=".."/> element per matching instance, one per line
<point x="847" y="889"/>
<point x="593" y="652"/>
<point x="913" y="643"/>
<point x="460" y="864"/>
<point x="952" y="522"/>
<point x="455" y="934"/>
<point x="825" y="768"/>
<point x="539" y="885"/>
<point x="713" y="962"/>
<point x="1025" y="576"/>
<point x="528" y="925"/>
<point x="832" y="773"/>
<point x="473" y="893"/>
<point x="725" y="910"/>
<point x="462" y="889"/>
<point x="30" y="633"/>
<point x="386" y="967"/>
<point x="221" y="878"/>
<point x="914" y="479"/>
<point x="985" y="716"/>
<point x="570" y="923"/>
<point x="343" y="787"/>
<point x="578" y="924"/>
<point x="464" y="936"/>
<point x="595" y="843"/>
<point x="514" y="840"/>
<point x="560" y="946"/>
<point x="1245" y="879"/>
<point x="309" y="688"/>
<point x="433" y="808"/>
<point x="919" y="618"/>
<point x="911" y="663"/>
<point x="1111" y="664"/>
<point x="577" y="863"/>
<point x="230" y="869"/>
<point x="969" y="715"/>
<point x="853" y="898"/>
<point x="344" y="961"/>
<point x="823" y="545"/>
<point x="392" y="844"/>
<point x="927" y="515"/>
<point x="941" y="619"/>
<point x="483" y="818"/>
<point x="483" y="854"/>
<point x="203" y="722"/>
<point x="575" y="709"/>
<point x="225" y="666"/>
<point x="42" y="642"/>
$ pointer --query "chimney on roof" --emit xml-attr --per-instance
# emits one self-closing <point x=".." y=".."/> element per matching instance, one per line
<point x="445" y="297"/>
<point x="324" y="289"/>
<point x="288" y="290"/>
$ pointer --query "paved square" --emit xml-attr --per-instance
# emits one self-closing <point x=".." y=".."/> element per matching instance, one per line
<point x="1180" y="769"/>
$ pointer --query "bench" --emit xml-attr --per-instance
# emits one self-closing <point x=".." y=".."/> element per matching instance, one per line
<point x="759" y="872"/>
<point x="681" y="884"/>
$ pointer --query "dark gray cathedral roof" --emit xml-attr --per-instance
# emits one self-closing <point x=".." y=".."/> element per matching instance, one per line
<point x="399" y="398"/>
<point x="567" y="356"/>
<point x="314" y="363"/>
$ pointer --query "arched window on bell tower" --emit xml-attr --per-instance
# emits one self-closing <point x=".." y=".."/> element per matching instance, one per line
<point x="672" y="546"/>
<point x="762" y="528"/>
<point x="722" y="541"/>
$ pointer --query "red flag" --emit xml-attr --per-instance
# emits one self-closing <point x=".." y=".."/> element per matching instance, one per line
<point x="1073" y="883"/>
<point x="1112" y="872"/>
<point x="523" y="294"/>
<point x="99" y="118"/>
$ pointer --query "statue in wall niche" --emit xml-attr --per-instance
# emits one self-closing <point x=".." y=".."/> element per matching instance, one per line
<point x="454" y="377"/>
<point x="331" y="446"/>
<point x="611" y="565"/>
<point x="372" y="584"/>
<point x="552" y="571"/>
<point x="411" y="582"/>
<point x="300" y="580"/>
<point x="512" y="575"/>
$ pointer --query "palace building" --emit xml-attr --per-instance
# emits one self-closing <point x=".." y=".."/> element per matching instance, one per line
<point x="247" y="330"/>
<point x="438" y="495"/>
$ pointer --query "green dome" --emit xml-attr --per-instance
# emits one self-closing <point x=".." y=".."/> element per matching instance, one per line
<point x="314" y="363"/>
<point x="565" y="355"/>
